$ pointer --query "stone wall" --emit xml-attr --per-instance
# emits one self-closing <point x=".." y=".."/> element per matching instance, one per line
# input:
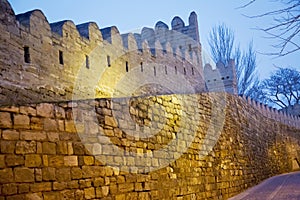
<point x="205" y="146"/>
<point x="42" y="61"/>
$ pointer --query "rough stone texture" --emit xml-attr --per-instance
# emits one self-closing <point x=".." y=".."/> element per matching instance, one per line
<point x="58" y="164"/>
<point x="144" y="145"/>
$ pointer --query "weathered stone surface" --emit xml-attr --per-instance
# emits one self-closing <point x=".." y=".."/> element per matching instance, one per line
<point x="14" y="160"/>
<point x="24" y="175"/>
<point x="21" y="121"/>
<point x="6" y="176"/>
<point x="10" y="135"/>
<point x="45" y="110"/>
<point x="5" y="120"/>
<point x="24" y="147"/>
<point x="33" y="160"/>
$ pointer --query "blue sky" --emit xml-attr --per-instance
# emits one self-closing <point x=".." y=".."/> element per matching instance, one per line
<point x="135" y="14"/>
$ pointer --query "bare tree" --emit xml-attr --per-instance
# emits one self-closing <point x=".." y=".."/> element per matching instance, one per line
<point x="222" y="46"/>
<point x="282" y="88"/>
<point x="285" y="27"/>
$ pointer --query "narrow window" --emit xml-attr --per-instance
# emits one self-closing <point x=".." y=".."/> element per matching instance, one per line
<point x="166" y="70"/>
<point x="190" y="47"/>
<point x="193" y="71"/>
<point x="142" y="68"/>
<point x="154" y="69"/>
<point x="108" y="61"/>
<point x="175" y="70"/>
<point x="26" y="54"/>
<point x="61" y="57"/>
<point x="184" y="71"/>
<point x="87" y="62"/>
<point x="126" y="66"/>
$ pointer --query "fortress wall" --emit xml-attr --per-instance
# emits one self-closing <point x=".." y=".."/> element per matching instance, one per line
<point x="84" y="49"/>
<point x="86" y="149"/>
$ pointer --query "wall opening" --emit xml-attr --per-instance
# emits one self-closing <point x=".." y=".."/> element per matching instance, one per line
<point x="87" y="62"/>
<point x="166" y="70"/>
<point x="142" y="68"/>
<point x="108" y="61"/>
<point x="175" y="70"/>
<point x="154" y="71"/>
<point x="193" y="71"/>
<point x="126" y="66"/>
<point x="184" y="71"/>
<point x="26" y="54"/>
<point x="61" y="57"/>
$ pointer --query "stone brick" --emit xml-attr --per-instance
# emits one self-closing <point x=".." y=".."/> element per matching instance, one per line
<point x="36" y="123"/>
<point x="33" y="135"/>
<point x="38" y="175"/>
<point x="19" y="197"/>
<point x="45" y="110"/>
<point x="10" y="135"/>
<point x="48" y="174"/>
<point x="89" y="193"/>
<point x="2" y="161"/>
<point x="59" y="185"/>
<point x="13" y="109"/>
<point x="23" y="188"/>
<point x="40" y="187"/>
<point x="50" y="124"/>
<point x="76" y="173"/>
<point x="33" y="160"/>
<point x="51" y="195"/>
<point x="24" y="147"/>
<point x="59" y="112"/>
<point x="27" y="110"/>
<point x="70" y="127"/>
<point x="49" y="148"/>
<point x="63" y="174"/>
<point x="24" y="175"/>
<point x="21" y="121"/>
<point x="67" y="194"/>
<point x="53" y="136"/>
<point x="88" y="160"/>
<point x="71" y="161"/>
<point x="110" y="121"/>
<point x="9" y="189"/>
<point x="5" y="120"/>
<point x="14" y="160"/>
<point x="34" y="196"/>
<point x="55" y="161"/>
<point x="62" y="147"/>
<point x="73" y="184"/>
<point x="7" y="146"/>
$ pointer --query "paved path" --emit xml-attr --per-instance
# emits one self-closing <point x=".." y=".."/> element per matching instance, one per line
<point x="282" y="187"/>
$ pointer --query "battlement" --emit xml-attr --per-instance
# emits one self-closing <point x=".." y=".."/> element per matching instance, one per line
<point x="45" y="61"/>
<point x="221" y="78"/>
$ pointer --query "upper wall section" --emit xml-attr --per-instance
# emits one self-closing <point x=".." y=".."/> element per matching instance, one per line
<point x="42" y="61"/>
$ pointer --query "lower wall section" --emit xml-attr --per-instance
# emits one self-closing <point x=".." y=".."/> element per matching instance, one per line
<point x="204" y="146"/>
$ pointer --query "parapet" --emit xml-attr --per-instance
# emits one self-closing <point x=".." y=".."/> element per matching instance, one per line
<point x="221" y="78"/>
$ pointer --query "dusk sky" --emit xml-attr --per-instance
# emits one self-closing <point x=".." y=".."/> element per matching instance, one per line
<point x="131" y="15"/>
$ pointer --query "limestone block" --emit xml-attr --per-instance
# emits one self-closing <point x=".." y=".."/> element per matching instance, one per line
<point x="6" y="175"/>
<point x="5" y="120"/>
<point x="10" y="135"/>
<point x="45" y="110"/>
<point x="71" y="161"/>
<point x="14" y="160"/>
<point x="7" y="146"/>
<point x="24" y="175"/>
<point x="41" y="187"/>
<point x="33" y="160"/>
<point x="21" y="121"/>
<point x="49" y="148"/>
<point x="48" y="174"/>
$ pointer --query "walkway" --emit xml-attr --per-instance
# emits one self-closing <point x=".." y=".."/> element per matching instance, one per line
<point x="282" y="187"/>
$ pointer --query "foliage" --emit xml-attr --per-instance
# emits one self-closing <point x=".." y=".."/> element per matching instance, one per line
<point x="282" y="88"/>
